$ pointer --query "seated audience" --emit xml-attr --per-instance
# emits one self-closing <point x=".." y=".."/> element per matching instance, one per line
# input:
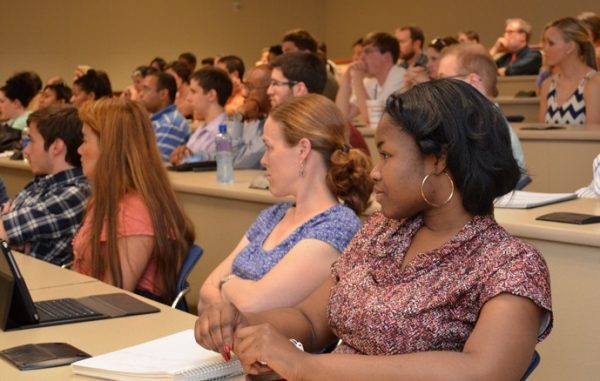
<point x="55" y="94"/>
<point x="307" y="158"/>
<point x="91" y="86"/>
<point x="44" y="216"/>
<point x="419" y="74"/>
<point x="565" y="95"/>
<point x="234" y="66"/>
<point x="158" y="63"/>
<point x="512" y="52"/>
<point x="210" y="88"/>
<point x="300" y="40"/>
<point x="207" y="61"/>
<point x="247" y="124"/>
<point x="189" y="59"/>
<point x="300" y="73"/>
<point x="80" y="70"/>
<point x="411" y="41"/>
<point x="374" y="77"/>
<point x="181" y="73"/>
<point x="357" y="48"/>
<point x="158" y="96"/>
<point x="592" y="190"/>
<point x="134" y="234"/>
<point x="431" y="287"/>
<point x="274" y="52"/>
<point x="468" y="37"/>
<point x="592" y="22"/>
<point x="15" y="96"/>
<point x="473" y="64"/>
<point x="132" y="91"/>
<point x="3" y="194"/>
<point x="34" y="104"/>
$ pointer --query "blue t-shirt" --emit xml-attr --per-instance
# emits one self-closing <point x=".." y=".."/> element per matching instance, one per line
<point x="335" y="226"/>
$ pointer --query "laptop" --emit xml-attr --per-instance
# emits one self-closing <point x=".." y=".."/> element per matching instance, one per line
<point x="19" y="311"/>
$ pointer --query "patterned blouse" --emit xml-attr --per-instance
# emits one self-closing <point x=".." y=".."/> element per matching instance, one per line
<point x="335" y="226"/>
<point x="433" y="304"/>
<point x="573" y="110"/>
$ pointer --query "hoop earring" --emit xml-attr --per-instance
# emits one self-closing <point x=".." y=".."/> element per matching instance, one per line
<point x="431" y="203"/>
<point x="301" y="169"/>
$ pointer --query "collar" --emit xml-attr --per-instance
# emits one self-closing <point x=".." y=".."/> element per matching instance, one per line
<point x="167" y="110"/>
<point x="58" y="178"/>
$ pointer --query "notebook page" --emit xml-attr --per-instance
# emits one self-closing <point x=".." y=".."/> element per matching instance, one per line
<point x="177" y="354"/>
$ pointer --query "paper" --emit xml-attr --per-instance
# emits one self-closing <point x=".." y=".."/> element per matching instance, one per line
<point x="524" y="200"/>
<point x="174" y="357"/>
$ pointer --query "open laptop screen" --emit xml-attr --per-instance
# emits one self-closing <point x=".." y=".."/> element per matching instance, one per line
<point x="17" y="305"/>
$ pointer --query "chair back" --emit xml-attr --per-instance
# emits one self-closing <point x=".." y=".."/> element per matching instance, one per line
<point x="535" y="360"/>
<point x="183" y="287"/>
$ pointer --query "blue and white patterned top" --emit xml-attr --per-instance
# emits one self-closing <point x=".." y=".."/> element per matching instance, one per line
<point x="171" y="129"/>
<point x="573" y="110"/>
<point x="335" y="226"/>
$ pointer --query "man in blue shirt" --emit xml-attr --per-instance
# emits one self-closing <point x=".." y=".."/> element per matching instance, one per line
<point x="158" y="96"/>
<point x="43" y="218"/>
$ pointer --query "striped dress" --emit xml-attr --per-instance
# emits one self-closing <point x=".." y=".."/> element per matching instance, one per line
<point x="573" y="110"/>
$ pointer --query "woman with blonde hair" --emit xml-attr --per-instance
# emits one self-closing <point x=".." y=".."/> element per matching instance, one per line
<point x="564" y="96"/>
<point x="134" y="234"/>
<point x="287" y="252"/>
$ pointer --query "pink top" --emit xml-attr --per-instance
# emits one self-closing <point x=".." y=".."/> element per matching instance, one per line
<point x="133" y="219"/>
<point x="433" y="304"/>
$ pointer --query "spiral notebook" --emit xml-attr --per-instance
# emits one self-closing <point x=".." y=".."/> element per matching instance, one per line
<point x="175" y="357"/>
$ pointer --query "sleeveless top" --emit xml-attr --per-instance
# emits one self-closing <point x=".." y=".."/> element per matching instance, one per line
<point x="573" y="110"/>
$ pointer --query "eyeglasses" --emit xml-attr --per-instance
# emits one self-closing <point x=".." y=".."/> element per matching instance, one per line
<point x="277" y="83"/>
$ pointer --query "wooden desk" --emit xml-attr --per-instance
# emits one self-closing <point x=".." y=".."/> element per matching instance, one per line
<point x="41" y="275"/>
<point x="572" y="252"/>
<point x="559" y="160"/>
<point x="95" y="337"/>
<point x="511" y="85"/>
<point x="527" y="107"/>
<point x="16" y="174"/>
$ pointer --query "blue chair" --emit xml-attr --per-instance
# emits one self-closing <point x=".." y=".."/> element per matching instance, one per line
<point x="535" y="360"/>
<point x="183" y="287"/>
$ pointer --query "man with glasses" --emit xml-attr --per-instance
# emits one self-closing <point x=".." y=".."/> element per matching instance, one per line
<point x="374" y="77"/>
<point x="512" y="52"/>
<point x="301" y="73"/>
<point x="157" y="94"/>
<point x="472" y="63"/>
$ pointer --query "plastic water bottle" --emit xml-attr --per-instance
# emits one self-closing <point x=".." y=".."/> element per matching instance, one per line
<point x="224" y="150"/>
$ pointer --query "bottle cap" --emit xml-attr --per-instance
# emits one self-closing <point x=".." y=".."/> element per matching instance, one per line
<point x="222" y="128"/>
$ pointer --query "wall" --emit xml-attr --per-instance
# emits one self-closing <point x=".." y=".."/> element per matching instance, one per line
<point x="52" y="37"/>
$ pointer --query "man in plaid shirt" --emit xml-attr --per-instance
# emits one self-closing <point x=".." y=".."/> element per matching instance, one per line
<point x="43" y="218"/>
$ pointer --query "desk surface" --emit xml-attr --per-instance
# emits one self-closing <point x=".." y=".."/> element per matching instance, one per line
<point x="94" y="337"/>
<point x="41" y="275"/>
<point x="522" y="223"/>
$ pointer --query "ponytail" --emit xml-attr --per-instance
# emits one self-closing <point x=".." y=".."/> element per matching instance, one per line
<point x="348" y="178"/>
